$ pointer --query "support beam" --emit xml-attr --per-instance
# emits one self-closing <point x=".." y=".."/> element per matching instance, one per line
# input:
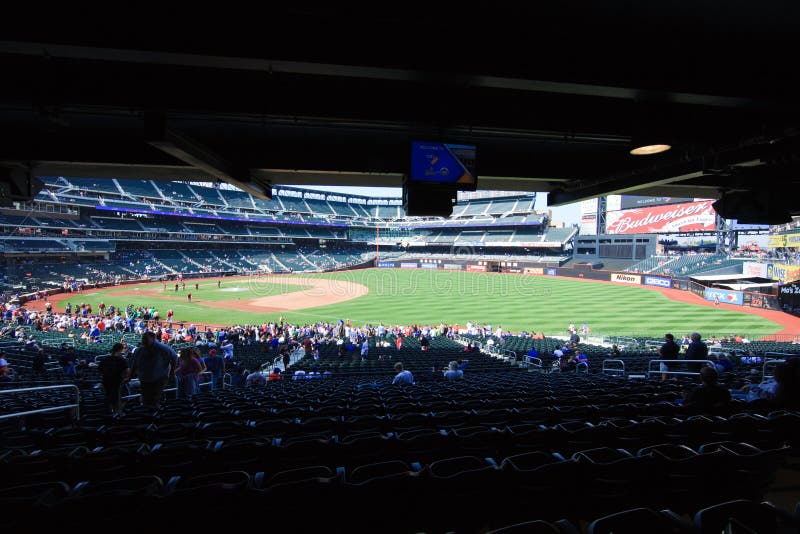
<point x="193" y="153"/>
<point x="371" y="72"/>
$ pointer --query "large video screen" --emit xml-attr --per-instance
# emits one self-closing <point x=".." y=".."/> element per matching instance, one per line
<point x="670" y="219"/>
<point x="443" y="163"/>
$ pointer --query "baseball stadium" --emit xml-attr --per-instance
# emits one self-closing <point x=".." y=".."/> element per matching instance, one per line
<point x="210" y="318"/>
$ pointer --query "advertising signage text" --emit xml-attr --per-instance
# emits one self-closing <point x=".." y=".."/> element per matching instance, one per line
<point x="657" y="281"/>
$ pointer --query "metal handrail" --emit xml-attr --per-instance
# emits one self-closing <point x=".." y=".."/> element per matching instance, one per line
<point x="658" y="371"/>
<point x="605" y="368"/>
<point x="77" y="404"/>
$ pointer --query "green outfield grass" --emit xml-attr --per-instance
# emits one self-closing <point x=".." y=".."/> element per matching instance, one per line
<point x="516" y="302"/>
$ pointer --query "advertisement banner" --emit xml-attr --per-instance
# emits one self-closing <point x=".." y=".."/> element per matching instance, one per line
<point x="428" y="266"/>
<point x="790" y="289"/>
<point x="386" y="265"/>
<point x="476" y="268"/>
<point x="675" y="218"/>
<point x="453" y="267"/>
<point x="626" y="278"/>
<point x="633" y="201"/>
<point x="658" y="281"/>
<point x="776" y="241"/>
<point x="755" y="269"/>
<point x="551" y="272"/>
<point x="589" y="206"/>
<point x="793" y="240"/>
<point x="534" y="270"/>
<point x="588" y="224"/>
<point x="408" y="265"/>
<point x="783" y="273"/>
<point x="723" y="295"/>
<point x="514" y="270"/>
<point x="736" y="225"/>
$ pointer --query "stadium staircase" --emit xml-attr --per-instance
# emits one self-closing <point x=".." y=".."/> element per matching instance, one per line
<point x="119" y="187"/>
<point x="224" y="262"/>
<point x="164" y="266"/>
<point x="160" y="192"/>
<point x="129" y="271"/>
<point x="305" y="259"/>
<point x="190" y="260"/>
<point x="276" y="260"/>
<point x="247" y="260"/>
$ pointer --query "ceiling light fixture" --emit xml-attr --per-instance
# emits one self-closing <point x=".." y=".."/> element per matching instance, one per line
<point x="646" y="150"/>
<point x="650" y="129"/>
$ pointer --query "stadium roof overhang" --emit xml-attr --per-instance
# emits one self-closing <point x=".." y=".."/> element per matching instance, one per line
<point x="744" y="287"/>
<point x="306" y="96"/>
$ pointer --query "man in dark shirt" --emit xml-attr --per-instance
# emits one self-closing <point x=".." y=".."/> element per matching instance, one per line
<point x="697" y="351"/>
<point x="115" y="371"/>
<point x="154" y="364"/>
<point x="709" y="394"/>
<point x="668" y="351"/>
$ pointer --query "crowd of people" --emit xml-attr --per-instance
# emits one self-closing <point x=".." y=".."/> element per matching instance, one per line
<point x="156" y="361"/>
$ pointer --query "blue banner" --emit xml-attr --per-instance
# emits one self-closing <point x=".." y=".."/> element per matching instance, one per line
<point x="428" y="266"/>
<point x="657" y="281"/>
<point x="550" y="272"/>
<point x="386" y="265"/>
<point x="724" y="296"/>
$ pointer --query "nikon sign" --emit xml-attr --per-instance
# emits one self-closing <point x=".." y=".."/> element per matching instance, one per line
<point x="626" y="278"/>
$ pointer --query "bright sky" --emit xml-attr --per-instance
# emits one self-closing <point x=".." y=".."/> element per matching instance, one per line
<point x="570" y="214"/>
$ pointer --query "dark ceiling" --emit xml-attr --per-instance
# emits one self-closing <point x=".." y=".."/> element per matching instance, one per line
<point x="551" y="96"/>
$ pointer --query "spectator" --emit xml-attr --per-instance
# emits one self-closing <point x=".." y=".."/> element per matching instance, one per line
<point x="709" y="395"/>
<point x="114" y="371"/>
<point x="402" y="377"/>
<point x="68" y="362"/>
<point x="216" y="366"/>
<point x="287" y="358"/>
<point x="237" y="377"/>
<point x="697" y="350"/>
<point x="227" y="349"/>
<point x="668" y="351"/>
<point x="189" y="375"/>
<point x="453" y="373"/>
<point x="256" y="379"/>
<point x="38" y="362"/>
<point x="5" y="371"/>
<point x="275" y="375"/>
<point x="725" y="364"/>
<point x="154" y="364"/>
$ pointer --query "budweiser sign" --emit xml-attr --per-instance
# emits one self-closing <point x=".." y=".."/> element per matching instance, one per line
<point x="688" y="217"/>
